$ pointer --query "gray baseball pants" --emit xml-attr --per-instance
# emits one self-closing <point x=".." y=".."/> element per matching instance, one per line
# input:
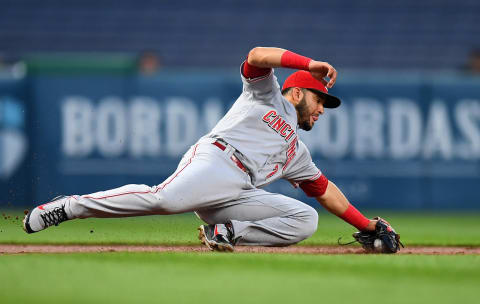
<point x="208" y="182"/>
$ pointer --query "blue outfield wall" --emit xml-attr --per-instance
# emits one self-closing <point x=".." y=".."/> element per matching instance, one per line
<point x="15" y="147"/>
<point x="396" y="142"/>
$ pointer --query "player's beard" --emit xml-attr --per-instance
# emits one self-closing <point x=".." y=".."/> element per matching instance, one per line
<point x="303" y="115"/>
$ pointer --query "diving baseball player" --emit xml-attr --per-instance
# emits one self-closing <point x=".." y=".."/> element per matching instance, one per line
<point x="221" y="176"/>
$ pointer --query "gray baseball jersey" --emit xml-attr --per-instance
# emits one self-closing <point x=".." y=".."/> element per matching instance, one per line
<point x="262" y="127"/>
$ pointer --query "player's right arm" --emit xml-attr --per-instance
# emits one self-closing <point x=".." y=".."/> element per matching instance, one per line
<point x="265" y="58"/>
<point x="332" y="199"/>
<point x="335" y="202"/>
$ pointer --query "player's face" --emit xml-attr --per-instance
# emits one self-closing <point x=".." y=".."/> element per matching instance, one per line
<point x="309" y="109"/>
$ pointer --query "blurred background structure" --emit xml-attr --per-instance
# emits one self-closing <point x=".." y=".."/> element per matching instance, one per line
<point x="425" y="34"/>
<point x="96" y="94"/>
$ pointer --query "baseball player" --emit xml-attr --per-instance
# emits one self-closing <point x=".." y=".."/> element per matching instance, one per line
<point x="221" y="176"/>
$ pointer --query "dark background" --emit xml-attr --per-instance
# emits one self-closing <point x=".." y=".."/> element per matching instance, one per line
<point x="144" y="80"/>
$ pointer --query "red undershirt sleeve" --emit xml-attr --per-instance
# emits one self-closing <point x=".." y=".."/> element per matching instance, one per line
<point x="250" y="71"/>
<point x="316" y="187"/>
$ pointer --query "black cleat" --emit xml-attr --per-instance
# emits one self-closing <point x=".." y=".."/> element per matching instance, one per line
<point x="214" y="240"/>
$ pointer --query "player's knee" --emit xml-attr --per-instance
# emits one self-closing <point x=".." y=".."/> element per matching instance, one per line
<point x="165" y="204"/>
<point x="308" y="224"/>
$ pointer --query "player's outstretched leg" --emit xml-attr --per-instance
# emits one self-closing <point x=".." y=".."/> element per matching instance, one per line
<point x="46" y="215"/>
<point x="217" y="237"/>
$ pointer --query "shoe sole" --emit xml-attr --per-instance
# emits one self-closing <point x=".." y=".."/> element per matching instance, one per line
<point x="214" y="246"/>
<point x="26" y="226"/>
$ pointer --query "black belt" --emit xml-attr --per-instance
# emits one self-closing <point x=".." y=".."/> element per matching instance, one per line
<point x="233" y="157"/>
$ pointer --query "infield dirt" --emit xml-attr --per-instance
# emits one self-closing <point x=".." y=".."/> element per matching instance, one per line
<point x="322" y="250"/>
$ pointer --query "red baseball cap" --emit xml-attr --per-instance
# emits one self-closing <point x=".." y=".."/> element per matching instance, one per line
<point x="304" y="79"/>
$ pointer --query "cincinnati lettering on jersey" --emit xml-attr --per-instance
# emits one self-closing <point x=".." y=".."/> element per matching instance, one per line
<point x="279" y="125"/>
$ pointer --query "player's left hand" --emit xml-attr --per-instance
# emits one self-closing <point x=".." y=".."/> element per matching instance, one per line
<point x="383" y="240"/>
<point x="320" y="70"/>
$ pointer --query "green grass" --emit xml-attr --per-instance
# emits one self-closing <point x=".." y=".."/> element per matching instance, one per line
<point x="207" y="277"/>
<point x="237" y="278"/>
<point x="459" y="229"/>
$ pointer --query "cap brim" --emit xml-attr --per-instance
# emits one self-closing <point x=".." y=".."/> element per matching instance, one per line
<point x="330" y="100"/>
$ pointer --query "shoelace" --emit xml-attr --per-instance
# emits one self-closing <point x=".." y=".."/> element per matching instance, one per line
<point x="54" y="216"/>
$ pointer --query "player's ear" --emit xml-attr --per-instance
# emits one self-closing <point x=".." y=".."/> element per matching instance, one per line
<point x="297" y="94"/>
